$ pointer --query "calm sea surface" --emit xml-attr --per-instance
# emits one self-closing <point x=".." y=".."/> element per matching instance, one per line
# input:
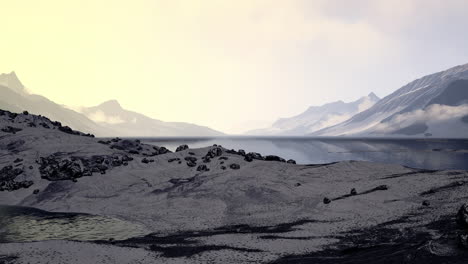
<point x="417" y="153"/>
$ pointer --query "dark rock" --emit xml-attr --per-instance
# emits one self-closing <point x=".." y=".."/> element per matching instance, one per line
<point x="145" y="160"/>
<point x="297" y="184"/>
<point x="381" y="187"/>
<point x="68" y="130"/>
<point x="274" y="158"/>
<point x="191" y="159"/>
<point x="426" y="203"/>
<point x="17" y="160"/>
<point x="134" y="152"/>
<point x="222" y="162"/>
<point x="173" y="159"/>
<point x="125" y="163"/>
<point x="291" y="161"/>
<point x="10" y="129"/>
<point x="462" y="216"/>
<point x="191" y="153"/>
<point x="206" y="159"/>
<point x="180" y="162"/>
<point x="353" y="191"/>
<point x="223" y="167"/>
<point x="248" y="158"/>
<point x="223" y="158"/>
<point x="44" y="125"/>
<point x="202" y="168"/>
<point x="25" y="113"/>
<point x="234" y="166"/>
<point x="151" y="160"/>
<point x="36" y="191"/>
<point x="215" y="152"/>
<point x="326" y="200"/>
<point x="463" y="241"/>
<point x="241" y="152"/>
<point x="181" y="148"/>
<point x="191" y="164"/>
<point x="31" y="167"/>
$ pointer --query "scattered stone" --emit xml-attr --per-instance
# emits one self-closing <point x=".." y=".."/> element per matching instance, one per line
<point x="36" y="191"/>
<point x="291" y="161"/>
<point x="426" y="203"/>
<point x="182" y="148"/>
<point x="353" y="191"/>
<point x="145" y="160"/>
<point x="202" y="168"/>
<point x="326" y="200"/>
<point x="234" y="166"/>
<point x="462" y="216"/>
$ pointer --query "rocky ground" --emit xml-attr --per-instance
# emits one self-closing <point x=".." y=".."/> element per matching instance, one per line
<point x="225" y="206"/>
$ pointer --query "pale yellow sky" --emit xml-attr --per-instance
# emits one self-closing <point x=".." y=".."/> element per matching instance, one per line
<point x="220" y="63"/>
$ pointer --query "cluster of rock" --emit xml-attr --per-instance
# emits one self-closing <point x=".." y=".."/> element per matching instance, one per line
<point x="56" y="167"/>
<point x="7" y="179"/>
<point x="134" y="146"/>
<point x="249" y="157"/>
<point x="34" y="121"/>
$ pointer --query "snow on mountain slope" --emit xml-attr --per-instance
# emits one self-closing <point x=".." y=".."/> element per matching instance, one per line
<point x="443" y="88"/>
<point x="127" y="123"/>
<point x="318" y="117"/>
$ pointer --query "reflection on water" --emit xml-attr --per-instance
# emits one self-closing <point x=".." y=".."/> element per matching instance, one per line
<point x="417" y="153"/>
<point x="22" y="224"/>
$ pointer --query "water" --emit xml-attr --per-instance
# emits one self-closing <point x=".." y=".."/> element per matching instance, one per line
<point x="25" y="224"/>
<point x="416" y="153"/>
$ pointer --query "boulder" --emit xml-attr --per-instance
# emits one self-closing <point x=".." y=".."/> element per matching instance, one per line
<point x="202" y="168"/>
<point x="214" y="152"/>
<point x="353" y="191"/>
<point x="274" y="158"/>
<point x="182" y="148"/>
<point x="234" y="166"/>
<point x="462" y="216"/>
<point x="326" y="200"/>
<point x="191" y="159"/>
<point x="191" y="164"/>
<point x="291" y="161"/>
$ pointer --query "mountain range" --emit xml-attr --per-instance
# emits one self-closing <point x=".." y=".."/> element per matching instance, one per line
<point x="317" y="117"/>
<point x="434" y="105"/>
<point x="105" y="120"/>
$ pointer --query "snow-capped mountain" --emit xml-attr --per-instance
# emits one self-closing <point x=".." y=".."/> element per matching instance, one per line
<point x="107" y="119"/>
<point x="318" y="117"/>
<point x="111" y="115"/>
<point x="434" y="105"/>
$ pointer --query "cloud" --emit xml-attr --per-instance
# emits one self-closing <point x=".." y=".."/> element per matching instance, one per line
<point x="100" y="117"/>
<point x="432" y="115"/>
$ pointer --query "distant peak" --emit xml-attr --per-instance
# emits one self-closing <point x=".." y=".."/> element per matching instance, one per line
<point x="11" y="81"/>
<point x="373" y="96"/>
<point x="110" y="105"/>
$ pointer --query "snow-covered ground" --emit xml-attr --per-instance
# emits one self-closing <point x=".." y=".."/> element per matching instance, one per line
<point x="254" y="211"/>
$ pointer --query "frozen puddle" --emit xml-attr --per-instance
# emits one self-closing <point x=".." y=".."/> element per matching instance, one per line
<point x="25" y="224"/>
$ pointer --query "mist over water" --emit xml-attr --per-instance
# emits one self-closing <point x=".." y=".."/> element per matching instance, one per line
<point x="416" y="153"/>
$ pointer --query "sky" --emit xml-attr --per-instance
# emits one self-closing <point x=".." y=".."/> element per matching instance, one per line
<point x="232" y="65"/>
